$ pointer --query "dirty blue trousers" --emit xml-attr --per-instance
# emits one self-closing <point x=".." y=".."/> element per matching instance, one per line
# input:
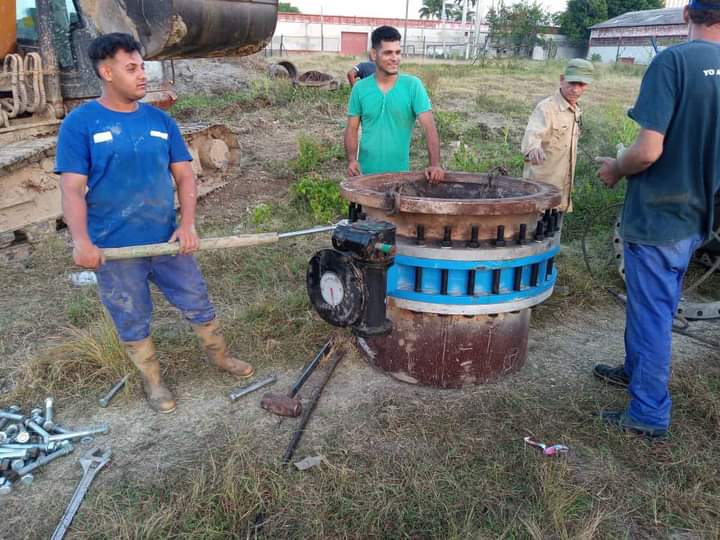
<point x="124" y="288"/>
<point x="653" y="275"/>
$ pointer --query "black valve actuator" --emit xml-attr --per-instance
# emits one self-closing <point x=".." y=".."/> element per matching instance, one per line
<point x="347" y="285"/>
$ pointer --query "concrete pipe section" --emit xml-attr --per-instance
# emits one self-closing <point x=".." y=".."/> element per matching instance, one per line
<point x="474" y="254"/>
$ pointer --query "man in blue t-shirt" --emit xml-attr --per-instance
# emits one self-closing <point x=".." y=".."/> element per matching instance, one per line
<point x="673" y="171"/>
<point x="118" y="157"/>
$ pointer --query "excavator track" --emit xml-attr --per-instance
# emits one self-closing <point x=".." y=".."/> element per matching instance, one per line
<point x="30" y="207"/>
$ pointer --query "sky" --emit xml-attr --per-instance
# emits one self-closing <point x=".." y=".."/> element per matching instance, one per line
<point x="388" y="8"/>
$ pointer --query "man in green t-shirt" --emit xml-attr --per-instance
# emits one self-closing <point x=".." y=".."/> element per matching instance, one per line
<point x="386" y="105"/>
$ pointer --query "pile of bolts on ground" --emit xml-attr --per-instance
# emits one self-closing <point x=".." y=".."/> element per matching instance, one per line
<point x="31" y="441"/>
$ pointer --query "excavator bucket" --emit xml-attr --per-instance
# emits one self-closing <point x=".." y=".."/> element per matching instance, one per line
<point x="188" y="28"/>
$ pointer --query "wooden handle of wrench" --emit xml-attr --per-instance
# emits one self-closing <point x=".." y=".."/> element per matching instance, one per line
<point x="223" y="242"/>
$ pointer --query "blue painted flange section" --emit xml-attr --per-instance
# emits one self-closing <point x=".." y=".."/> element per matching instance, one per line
<point x="401" y="279"/>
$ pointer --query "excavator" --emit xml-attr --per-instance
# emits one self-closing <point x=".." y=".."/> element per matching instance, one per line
<point x="46" y="73"/>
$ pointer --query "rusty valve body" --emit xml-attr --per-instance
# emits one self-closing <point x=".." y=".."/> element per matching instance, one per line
<point x="474" y="254"/>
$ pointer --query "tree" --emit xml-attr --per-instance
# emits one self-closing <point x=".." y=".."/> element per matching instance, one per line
<point x="517" y="27"/>
<point x="618" y="7"/>
<point x="431" y="9"/>
<point x="286" y="7"/>
<point x="580" y="15"/>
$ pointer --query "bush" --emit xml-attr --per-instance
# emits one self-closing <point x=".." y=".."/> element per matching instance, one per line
<point x="321" y="195"/>
<point x="312" y="154"/>
<point x="261" y="214"/>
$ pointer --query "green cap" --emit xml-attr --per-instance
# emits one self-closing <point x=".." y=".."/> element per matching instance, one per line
<point x="579" y="70"/>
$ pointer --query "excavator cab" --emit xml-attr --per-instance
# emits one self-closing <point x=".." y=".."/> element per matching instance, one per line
<point x="61" y="31"/>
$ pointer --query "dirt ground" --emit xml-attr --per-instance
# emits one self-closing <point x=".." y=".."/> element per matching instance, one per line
<point x="146" y="446"/>
<point x="565" y="342"/>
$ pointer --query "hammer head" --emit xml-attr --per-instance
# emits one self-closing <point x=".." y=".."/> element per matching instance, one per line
<point x="281" y="405"/>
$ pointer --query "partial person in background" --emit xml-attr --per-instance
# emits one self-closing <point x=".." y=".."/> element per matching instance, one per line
<point x="360" y="71"/>
<point x="549" y="146"/>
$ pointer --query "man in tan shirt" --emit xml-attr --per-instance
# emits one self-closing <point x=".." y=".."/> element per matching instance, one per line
<point x="550" y="142"/>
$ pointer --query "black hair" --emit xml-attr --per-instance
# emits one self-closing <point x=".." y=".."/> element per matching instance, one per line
<point x="708" y="17"/>
<point x="107" y="46"/>
<point x="384" y="33"/>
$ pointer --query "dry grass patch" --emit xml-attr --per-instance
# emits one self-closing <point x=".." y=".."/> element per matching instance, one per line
<point x="448" y="465"/>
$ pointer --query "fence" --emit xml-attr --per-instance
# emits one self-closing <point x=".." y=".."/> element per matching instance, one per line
<point x="450" y="49"/>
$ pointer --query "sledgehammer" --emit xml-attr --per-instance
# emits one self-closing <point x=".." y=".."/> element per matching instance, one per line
<point x="290" y="405"/>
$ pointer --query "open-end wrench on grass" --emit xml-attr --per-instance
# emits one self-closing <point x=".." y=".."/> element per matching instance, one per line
<point x="91" y="463"/>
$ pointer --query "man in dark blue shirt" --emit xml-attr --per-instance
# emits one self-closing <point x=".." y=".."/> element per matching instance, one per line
<point x="118" y="157"/>
<point x="360" y="71"/>
<point x="673" y="171"/>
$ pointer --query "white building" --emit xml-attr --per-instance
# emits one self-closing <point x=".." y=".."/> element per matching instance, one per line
<point x="636" y="37"/>
<point x="350" y="36"/>
<point x="300" y="32"/>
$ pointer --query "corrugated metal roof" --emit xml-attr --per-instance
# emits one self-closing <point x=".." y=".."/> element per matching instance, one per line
<point x="650" y="17"/>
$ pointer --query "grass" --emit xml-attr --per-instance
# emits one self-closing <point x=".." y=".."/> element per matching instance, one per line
<point x="263" y="93"/>
<point x="312" y="155"/>
<point x="82" y="361"/>
<point x="403" y="462"/>
<point x="322" y="196"/>
<point x="447" y="468"/>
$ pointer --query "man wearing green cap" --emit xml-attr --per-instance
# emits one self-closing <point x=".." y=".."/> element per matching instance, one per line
<point x="550" y="142"/>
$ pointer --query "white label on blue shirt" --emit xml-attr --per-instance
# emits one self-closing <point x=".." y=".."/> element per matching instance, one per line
<point x="159" y="134"/>
<point x="103" y="136"/>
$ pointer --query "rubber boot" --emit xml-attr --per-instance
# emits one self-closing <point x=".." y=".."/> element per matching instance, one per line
<point x="213" y="342"/>
<point x="142" y="354"/>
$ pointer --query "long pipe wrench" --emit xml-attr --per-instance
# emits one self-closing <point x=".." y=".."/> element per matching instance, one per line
<point x="92" y="463"/>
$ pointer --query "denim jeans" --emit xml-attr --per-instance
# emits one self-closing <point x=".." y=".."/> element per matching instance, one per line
<point x="124" y="288"/>
<point x="653" y="275"/>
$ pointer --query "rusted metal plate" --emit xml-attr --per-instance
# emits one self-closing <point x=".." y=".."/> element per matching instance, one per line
<point x="434" y="225"/>
<point x="450" y="351"/>
<point x="475" y="194"/>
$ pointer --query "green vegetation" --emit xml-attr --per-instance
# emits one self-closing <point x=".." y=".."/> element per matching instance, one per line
<point x="322" y="196"/>
<point x="287" y="7"/>
<point x="262" y="92"/>
<point x="517" y="27"/>
<point x="312" y="155"/>
<point x="402" y="461"/>
<point x="261" y="214"/>
<point x="448" y="125"/>
<point x="433" y="9"/>
<point x="580" y="15"/>
<point x="487" y="157"/>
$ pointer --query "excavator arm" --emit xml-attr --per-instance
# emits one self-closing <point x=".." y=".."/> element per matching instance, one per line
<point x="186" y="28"/>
